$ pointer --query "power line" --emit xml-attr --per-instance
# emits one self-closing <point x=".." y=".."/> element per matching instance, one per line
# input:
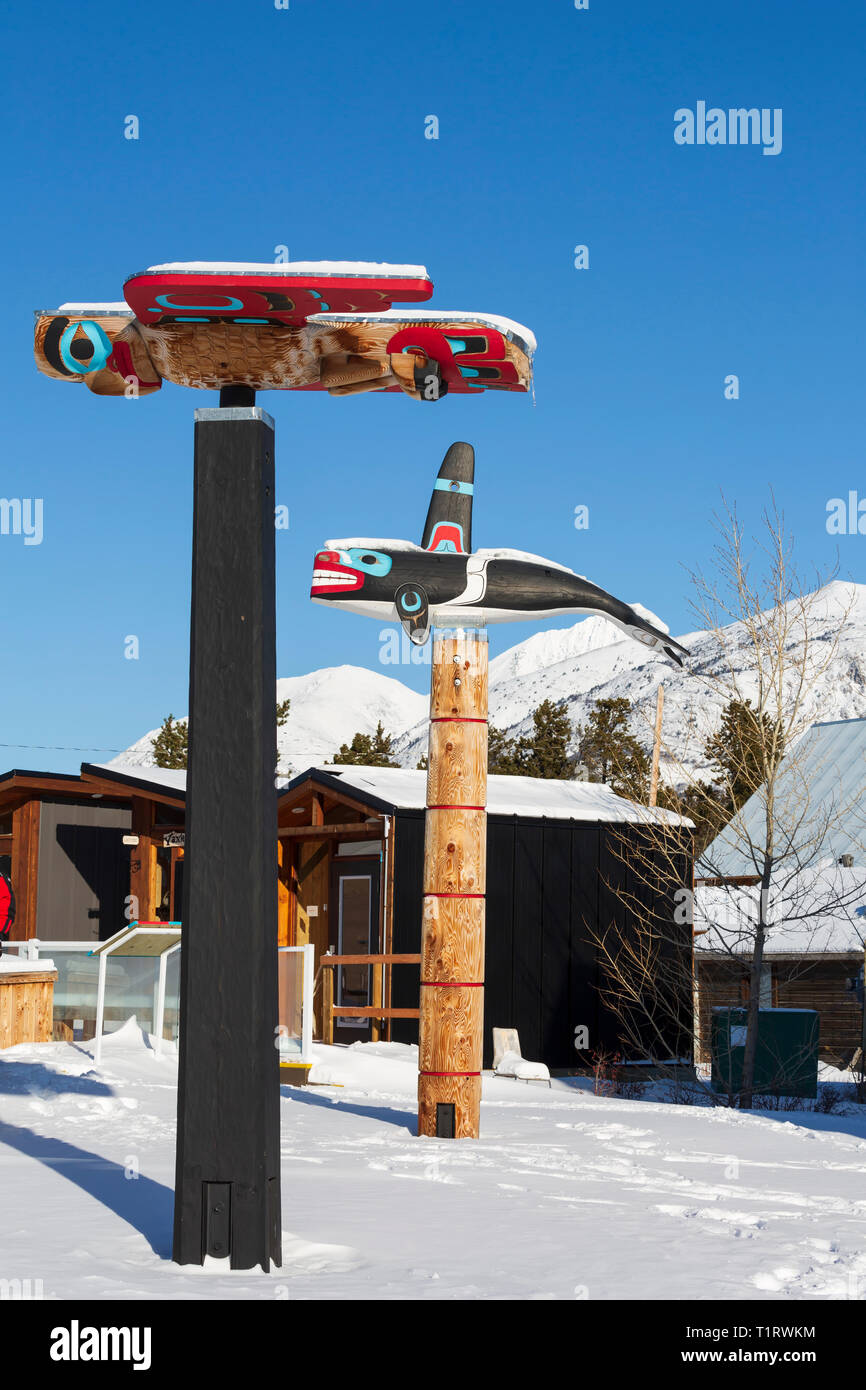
<point x="61" y="748"/>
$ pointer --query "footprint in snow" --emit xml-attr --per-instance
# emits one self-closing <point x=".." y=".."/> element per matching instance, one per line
<point x="774" y="1281"/>
<point x="743" y="1225"/>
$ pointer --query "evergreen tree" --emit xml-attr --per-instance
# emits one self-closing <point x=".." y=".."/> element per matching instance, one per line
<point x="612" y="754"/>
<point x="171" y="745"/>
<point x="502" y="753"/>
<point x="703" y="803"/>
<point x="368" y="750"/>
<point x="283" y="707"/>
<point x="422" y="763"/>
<point x="746" y="749"/>
<point x="545" y="752"/>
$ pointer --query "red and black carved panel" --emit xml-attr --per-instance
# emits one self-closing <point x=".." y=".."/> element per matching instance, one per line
<point x="162" y="297"/>
<point x="471" y="359"/>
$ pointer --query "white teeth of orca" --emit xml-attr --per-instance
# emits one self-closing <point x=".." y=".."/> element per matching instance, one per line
<point x="328" y="577"/>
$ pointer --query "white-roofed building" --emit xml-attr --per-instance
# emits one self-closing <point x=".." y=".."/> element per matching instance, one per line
<point x="816" y="904"/>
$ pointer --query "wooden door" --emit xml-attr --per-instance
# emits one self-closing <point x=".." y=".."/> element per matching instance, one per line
<point x="355" y="909"/>
<point x="177" y="863"/>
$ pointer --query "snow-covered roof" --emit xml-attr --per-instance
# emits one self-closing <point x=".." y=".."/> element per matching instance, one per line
<point x="170" y="780"/>
<point x="819" y="805"/>
<point x="406" y="789"/>
<point x="818" y="910"/>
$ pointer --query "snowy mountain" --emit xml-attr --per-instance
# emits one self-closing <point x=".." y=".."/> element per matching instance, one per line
<point x="588" y="661"/>
<point x="544" y="649"/>
<point x="328" y="707"/>
<point x="592" y="661"/>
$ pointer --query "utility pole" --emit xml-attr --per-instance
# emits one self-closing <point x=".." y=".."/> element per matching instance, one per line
<point x="657" y="743"/>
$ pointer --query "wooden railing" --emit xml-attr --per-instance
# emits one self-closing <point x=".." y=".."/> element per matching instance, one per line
<point x="330" y="1011"/>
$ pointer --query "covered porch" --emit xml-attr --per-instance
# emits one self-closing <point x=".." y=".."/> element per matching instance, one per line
<point x="336" y="892"/>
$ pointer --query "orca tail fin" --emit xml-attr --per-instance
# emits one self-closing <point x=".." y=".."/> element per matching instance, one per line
<point x="449" y="519"/>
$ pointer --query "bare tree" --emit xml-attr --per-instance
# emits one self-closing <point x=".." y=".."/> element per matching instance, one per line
<point x="767" y="869"/>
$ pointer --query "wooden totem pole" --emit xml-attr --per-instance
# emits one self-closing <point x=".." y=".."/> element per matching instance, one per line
<point x="455" y="868"/>
<point x="443" y="581"/>
<point x="238" y="329"/>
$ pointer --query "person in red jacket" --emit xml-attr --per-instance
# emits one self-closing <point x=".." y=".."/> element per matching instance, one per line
<point x="7" y="906"/>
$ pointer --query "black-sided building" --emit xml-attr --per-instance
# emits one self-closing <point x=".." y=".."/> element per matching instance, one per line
<point x="558" y="873"/>
<point x="351" y="846"/>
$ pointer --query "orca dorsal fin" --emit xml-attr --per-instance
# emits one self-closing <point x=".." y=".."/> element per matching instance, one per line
<point x="449" y="520"/>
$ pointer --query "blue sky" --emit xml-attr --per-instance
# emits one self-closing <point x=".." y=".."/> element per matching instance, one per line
<point x="305" y="127"/>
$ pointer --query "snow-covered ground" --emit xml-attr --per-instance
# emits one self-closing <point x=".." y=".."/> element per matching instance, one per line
<point x="566" y="1195"/>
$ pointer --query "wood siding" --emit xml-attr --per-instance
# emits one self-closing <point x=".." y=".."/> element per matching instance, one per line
<point x="25" y="864"/>
<point x="26" y="1007"/>
<point x="84" y="871"/>
<point x="143" y="859"/>
<point x="550" y="888"/>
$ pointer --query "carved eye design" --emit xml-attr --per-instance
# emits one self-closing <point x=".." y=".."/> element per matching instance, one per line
<point x="370" y="561"/>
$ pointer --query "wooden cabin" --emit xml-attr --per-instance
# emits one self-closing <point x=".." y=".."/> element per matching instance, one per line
<point x="831" y="982"/>
<point x="62" y="839"/>
<point x="91" y="850"/>
<point x="813" y="956"/>
<point x="352" y="841"/>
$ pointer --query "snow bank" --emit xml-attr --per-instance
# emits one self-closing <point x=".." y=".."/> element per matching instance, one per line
<point x="565" y="1195"/>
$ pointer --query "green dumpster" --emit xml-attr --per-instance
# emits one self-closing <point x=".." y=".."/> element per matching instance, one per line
<point x="786" y="1061"/>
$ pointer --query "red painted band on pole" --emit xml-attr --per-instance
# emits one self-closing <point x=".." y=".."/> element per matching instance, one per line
<point x="455" y="895"/>
<point x="457" y="719"/>
<point x="456" y="808"/>
<point x="454" y="984"/>
<point x="449" y="1073"/>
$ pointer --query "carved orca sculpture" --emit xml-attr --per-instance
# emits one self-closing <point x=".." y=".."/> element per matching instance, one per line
<point x="444" y="583"/>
